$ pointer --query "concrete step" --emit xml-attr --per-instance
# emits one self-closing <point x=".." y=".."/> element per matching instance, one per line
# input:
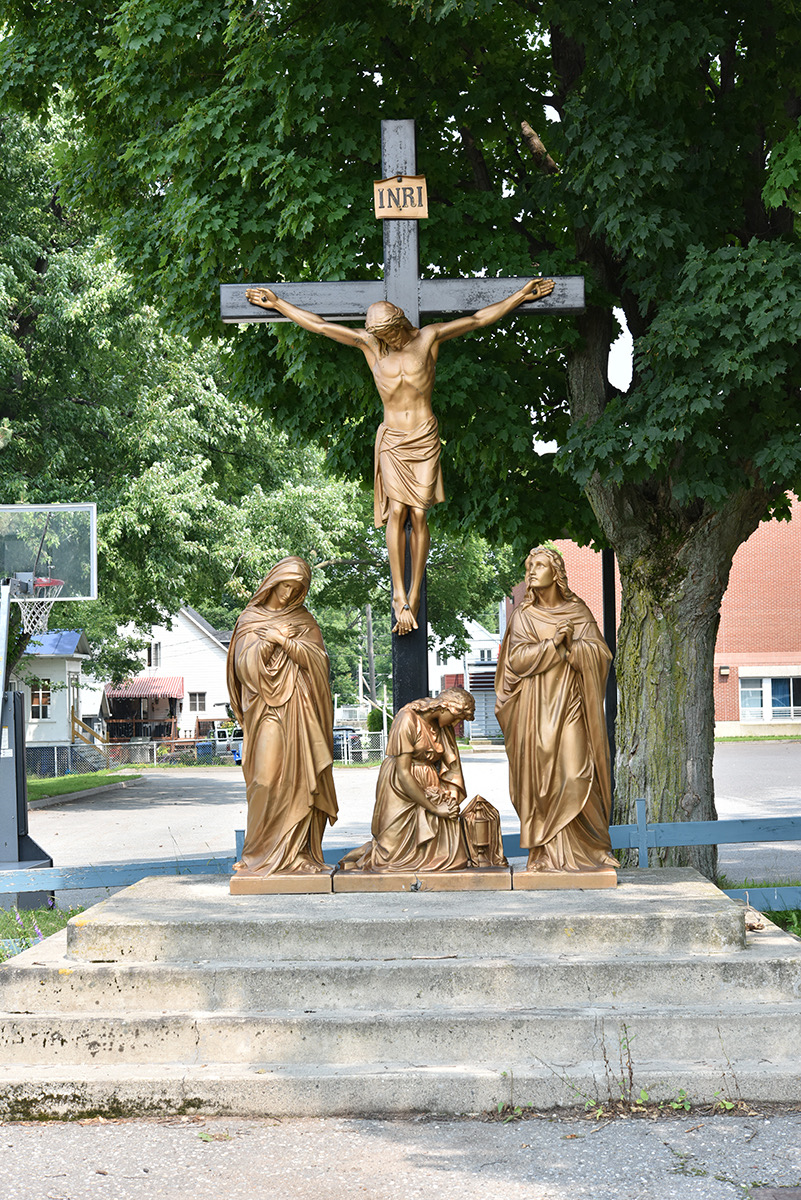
<point x="44" y="978"/>
<point x="194" y="919"/>
<point x="385" y="1088"/>
<point x="174" y="996"/>
<point x="428" y="1038"/>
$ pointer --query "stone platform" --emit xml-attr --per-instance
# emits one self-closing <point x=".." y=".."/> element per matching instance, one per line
<point x="174" y="996"/>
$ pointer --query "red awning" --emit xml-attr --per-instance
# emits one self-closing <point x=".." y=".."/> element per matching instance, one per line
<point x="147" y="685"/>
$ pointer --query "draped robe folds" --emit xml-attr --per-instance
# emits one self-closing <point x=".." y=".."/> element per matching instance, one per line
<point x="407" y="468"/>
<point x="282" y="700"/>
<point x="406" y="836"/>
<point x="550" y="708"/>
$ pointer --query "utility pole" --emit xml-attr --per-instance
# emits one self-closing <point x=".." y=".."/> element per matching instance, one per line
<point x="368" y="629"/>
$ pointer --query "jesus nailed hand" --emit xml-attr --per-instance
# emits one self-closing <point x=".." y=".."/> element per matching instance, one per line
<point x="408" y="476"/>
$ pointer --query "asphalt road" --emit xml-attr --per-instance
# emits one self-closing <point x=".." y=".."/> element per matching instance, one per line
<point x="188" y="812"/>
<point x="692" y="1157"/>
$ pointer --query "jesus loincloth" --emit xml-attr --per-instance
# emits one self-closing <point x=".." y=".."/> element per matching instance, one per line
<point x="407" y="468"/>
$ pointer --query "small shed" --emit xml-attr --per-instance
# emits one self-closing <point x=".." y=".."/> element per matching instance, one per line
<point x="55" y="659"/>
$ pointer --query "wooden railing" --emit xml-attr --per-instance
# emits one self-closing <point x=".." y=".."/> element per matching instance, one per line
<point x="81" y="732"/>
<point x="641" y="837"/>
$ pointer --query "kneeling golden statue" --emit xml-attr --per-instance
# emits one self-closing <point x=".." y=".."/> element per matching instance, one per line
<point x="420" y="789"/>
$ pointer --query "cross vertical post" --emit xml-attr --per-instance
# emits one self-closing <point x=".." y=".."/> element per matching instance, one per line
<point x="401" y="277"/>
<point x="343" y="300"/>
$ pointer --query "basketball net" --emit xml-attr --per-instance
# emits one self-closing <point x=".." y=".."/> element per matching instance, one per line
<point x="36" y="611"/>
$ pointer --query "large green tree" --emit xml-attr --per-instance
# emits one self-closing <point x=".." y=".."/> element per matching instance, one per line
<point x="197" y="495"/>
<point x="652" y="146"/>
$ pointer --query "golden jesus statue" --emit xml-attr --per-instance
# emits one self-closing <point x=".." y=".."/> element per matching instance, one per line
<point x="408" y="476"/>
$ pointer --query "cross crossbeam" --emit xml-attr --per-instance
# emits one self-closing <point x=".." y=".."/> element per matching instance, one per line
<point x="348" y="301"/>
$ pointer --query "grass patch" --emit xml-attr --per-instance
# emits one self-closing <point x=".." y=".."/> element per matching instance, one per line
<point x="763" y="737"/>
<point x="29" y="926"/>
<point x="38" y="789"/>
<point x="788" y="919"/>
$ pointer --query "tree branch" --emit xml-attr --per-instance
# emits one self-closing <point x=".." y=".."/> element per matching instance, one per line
<point x="537" y="148"/>
<point x="476" y="159"/>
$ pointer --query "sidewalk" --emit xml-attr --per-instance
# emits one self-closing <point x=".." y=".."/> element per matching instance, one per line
<point x="692" y="1157"/>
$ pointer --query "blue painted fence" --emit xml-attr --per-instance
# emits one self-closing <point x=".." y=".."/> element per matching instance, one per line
<point x="642" y="837"/>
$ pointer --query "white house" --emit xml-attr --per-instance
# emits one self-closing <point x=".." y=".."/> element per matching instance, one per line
<point x="475" y="670"/>
<point x="181" y="683"/>
<point x="55" y="658"/>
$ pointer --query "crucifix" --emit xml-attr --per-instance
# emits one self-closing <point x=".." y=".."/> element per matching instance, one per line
<point x="401" y="287"/>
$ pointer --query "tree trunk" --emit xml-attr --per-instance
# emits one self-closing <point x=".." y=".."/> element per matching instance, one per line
<point x="674" y="565"/>
<point x="672" y="587"/>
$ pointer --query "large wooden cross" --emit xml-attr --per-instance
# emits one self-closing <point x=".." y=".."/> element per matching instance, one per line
<point x="402" y="285"/>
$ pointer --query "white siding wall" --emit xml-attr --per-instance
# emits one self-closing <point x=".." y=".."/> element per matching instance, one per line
<point x="189" y="650"/>
<point x="56" y="729"/>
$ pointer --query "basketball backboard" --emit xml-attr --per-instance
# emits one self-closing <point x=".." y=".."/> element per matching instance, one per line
<point x="44" y="545"/>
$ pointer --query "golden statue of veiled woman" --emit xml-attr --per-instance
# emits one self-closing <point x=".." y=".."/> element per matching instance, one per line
<point x="278" y="686"/>
<point x="550" y="685"/>
<point x="420" y="788"/>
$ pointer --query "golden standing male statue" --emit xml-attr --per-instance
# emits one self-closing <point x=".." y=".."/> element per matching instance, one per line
<point x="550" y="685"/>
<point x="408" y="476"/>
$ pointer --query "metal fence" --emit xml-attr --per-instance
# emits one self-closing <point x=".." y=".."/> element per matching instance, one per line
<point x="359" y="746"/>
<point x="49" y="762"/>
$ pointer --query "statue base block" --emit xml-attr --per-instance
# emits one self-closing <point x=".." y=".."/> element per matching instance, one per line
<point x="551" y="881"/>
<point x="294" y="884"/>
<point x="477" y="879"/>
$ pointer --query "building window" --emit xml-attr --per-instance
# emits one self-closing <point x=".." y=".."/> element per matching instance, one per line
<point x="750" y="699"/>
<point x="769" y="699"/>
<point x="442" y="658"/>
<point x="785" y="699"/>
<point x="485" y="656"/>
<point x="197" y="701"/>
<point x="40" y="700"/>
<point x="154" y="654"/>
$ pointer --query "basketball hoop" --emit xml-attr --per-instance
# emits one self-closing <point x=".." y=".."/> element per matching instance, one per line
<point x="36" y="609"/>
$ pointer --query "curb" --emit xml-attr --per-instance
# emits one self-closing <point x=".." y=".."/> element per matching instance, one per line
<point x="50" y="801"/>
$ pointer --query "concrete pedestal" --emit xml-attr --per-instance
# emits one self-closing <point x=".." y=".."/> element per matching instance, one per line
<point x="175" y="996"/>
<point x="481" y="879"/>
<point x="551" y="881"/>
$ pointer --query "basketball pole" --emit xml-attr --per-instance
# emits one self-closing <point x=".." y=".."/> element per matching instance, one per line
<point x="17" y="847"/>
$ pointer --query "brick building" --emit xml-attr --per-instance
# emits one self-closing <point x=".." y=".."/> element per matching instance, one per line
<point x="758" y="651"/>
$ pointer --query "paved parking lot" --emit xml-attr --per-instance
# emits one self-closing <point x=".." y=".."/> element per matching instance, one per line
<point x="191" y="811"/>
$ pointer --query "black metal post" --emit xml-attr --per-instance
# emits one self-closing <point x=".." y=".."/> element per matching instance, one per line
<point x="610" y="634"/>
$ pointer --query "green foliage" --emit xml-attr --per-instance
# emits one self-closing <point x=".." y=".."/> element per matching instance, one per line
<point x="375" y="720"/>
<point x="789" y="919"/>
<point x="233" y="142"/>
<point x="30" y="926"/>
<point x="40" y="788"/>
<point x="238" y="140"/>
<point x="727" y="335"/>
<point x="198" y="494"/>
<point x="16" y="644"/>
